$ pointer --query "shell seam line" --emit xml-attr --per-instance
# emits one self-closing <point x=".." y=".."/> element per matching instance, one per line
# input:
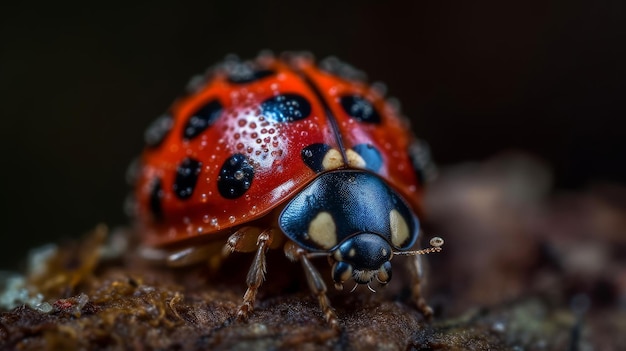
<point x="329" y="114"/>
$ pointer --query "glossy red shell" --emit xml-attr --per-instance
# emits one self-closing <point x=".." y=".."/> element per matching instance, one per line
<point x="273" y="148"/>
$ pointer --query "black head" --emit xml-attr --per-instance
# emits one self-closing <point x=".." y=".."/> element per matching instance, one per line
<point x="362" y="257"/>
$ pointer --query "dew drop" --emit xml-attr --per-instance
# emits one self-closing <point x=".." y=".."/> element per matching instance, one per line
<point x="214" y="222"/>
<point x="239" y="175"/>
<point x="203" y="198"/>
<point x="206" y="219"/>
<point x="232" y="219"/>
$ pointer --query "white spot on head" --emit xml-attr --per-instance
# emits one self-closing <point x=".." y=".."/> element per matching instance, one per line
<point x="322" y="230"/>
<point x="399" y="228"/>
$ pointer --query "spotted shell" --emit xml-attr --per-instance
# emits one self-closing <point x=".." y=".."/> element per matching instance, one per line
<point x="250" y="135"/>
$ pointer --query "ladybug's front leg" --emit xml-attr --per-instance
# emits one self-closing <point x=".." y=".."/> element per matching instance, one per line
<point x="416" y="266"/>
<point x="242" y="241"/>
<point x="316" y="284"/>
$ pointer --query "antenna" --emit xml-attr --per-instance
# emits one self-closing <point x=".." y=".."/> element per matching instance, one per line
<point x="436" y="243"/>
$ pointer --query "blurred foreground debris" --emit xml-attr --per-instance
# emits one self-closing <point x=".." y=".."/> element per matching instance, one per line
<point x="523" y="269"/>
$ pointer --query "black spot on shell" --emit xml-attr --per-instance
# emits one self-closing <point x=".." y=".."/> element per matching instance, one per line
<point x="313" y="156"/>
<point x="156" y="196"/>
<point x="186" y="178"/>
<point x="235" y="176"/>
<point x="249" y="76"/>
<point x="158" y="130"/>
<point x="286" y="108"/>
<point x="371" y="156"/>
<point x="202" y="119"/>
<point x="360" y="109"/>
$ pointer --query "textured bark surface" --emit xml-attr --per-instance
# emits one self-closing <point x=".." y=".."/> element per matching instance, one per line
<point x="521" y="269"/>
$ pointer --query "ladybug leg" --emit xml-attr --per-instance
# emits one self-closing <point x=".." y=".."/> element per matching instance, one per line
<point x="245" y="239"/>
<point x="416" y="266"/>
<point x="241" y="241"/>
<point x="316" y="284"/>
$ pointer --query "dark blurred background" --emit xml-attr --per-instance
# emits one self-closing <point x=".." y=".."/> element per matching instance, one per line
<point x="78" y="85"/>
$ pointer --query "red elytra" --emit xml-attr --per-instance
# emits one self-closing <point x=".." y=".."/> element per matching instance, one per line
<point x="273" y="148"/>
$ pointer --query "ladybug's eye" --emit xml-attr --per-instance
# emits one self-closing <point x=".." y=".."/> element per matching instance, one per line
<point x="360" y="109"/>
<point x="202" y="119"/>
<point x="286" y="108"/>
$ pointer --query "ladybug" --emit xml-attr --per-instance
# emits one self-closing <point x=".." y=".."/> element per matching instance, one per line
<point x="281" y="152"/>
